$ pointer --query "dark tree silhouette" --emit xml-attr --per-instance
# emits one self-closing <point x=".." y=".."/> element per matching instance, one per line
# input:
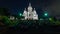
<point x="4" y="11"/>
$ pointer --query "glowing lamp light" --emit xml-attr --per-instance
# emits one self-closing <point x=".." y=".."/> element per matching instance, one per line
<point x="50" y="18"/>
<point x="41" y="19"/>
<point x="46" y="14"/>
<point x="20" y="14"/>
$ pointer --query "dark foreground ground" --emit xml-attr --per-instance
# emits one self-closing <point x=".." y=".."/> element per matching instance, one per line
<point x="25" y="29"/>
<point x="34" y="28"/>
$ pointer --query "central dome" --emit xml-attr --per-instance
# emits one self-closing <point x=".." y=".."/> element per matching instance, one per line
<point x="29" y="7"/>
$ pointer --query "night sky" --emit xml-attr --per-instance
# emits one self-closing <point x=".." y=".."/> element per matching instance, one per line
<point x="16" y="6"/>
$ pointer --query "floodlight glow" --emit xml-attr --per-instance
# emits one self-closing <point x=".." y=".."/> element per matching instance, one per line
<point x="50" y="18"/>
<point x="41" y="19"/>
<point x="46" y="14"/>
<point x="20" y="14"/>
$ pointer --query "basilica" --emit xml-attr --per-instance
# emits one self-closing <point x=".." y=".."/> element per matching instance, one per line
<point x="30" y="13"/>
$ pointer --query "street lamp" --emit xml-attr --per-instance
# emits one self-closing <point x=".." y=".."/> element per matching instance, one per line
<point x="45" y="14"/>
<point x="20" y="14"/>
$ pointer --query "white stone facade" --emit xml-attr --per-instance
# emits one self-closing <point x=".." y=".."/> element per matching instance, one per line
<point x="30" y="13"/>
